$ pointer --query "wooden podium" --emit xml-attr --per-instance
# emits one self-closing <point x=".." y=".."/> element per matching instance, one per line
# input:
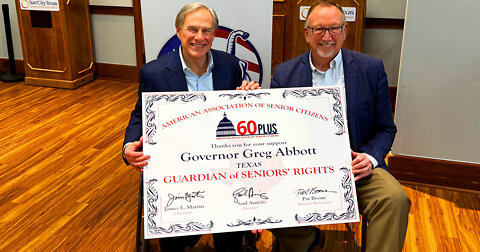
<point x="57" y="45"/>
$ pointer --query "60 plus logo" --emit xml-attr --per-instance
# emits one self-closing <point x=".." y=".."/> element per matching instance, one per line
<point x="252" y="128"/>
<point x="226" y="128"/>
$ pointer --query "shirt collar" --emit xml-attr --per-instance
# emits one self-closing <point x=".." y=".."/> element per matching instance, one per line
<point x="185" y="67"/>
<point x="333" y="64"/>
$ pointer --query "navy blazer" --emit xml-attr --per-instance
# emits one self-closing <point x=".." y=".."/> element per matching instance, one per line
<point x="369" y="114"/>
<point x="165" y="74"/>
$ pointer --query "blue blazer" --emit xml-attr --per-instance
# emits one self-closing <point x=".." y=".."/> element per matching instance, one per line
<point x="165" y="74"/>
<point x="369" y="114"/>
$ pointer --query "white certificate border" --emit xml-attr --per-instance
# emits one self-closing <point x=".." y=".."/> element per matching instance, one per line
<point x="150" y="99"/>
<point x="310" y="218"/>
<point x="337" y="106"/>
<point x="152" y="193"/>
<point x="152" y="210"/>
<point x="333" y="216"/>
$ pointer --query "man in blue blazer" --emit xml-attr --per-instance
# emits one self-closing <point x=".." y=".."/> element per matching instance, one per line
<point x="166" y="75"/>
<point x="193" y="67"/>
<point x="371" y="128"/>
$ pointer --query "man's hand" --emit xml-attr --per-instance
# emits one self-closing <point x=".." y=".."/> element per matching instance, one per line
<point x="257" y="231"/>
<point x="134" y="156"/>
<point x="249" y="85"/>
<point x="361" y="165"/>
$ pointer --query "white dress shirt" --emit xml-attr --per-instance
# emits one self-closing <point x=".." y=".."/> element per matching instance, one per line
<point x="195" y="82"/>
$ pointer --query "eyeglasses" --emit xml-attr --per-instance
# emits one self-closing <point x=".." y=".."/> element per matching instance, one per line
<point x="334" y="31"/>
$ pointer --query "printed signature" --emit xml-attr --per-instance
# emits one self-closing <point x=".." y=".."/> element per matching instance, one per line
<point x="247" y="192"/>
<point x="312" y="191"/>
<point x="186" y="197"/>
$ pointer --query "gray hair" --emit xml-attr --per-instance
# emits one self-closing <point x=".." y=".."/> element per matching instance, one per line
<point x="180" y="19"/>
<point x="325" y="3"/>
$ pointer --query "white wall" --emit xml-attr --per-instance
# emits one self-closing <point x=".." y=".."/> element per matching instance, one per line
<point x="385" y="44"/>
<point x="386" y="9"/>
<point x="113" y="35"/>
<point x="438" y="98"/>
<point x="114" y="39"/>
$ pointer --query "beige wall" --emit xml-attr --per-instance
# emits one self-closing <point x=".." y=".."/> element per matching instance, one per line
<point x="386" y="9"/>
<point x="385" y="44"/>
<point x="114" y="37"/>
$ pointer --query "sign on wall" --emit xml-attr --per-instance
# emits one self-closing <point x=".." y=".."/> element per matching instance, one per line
<point x="245" y="31"/>
<point x="350" y="13"/>
<point x="39" y="5"/>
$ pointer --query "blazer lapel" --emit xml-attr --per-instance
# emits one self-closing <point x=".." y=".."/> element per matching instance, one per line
<point x="306" y="77"/>
<point x="350" y="76"/>
<point x="355" y="93"/>
<point x="218" y="73"/>
<point x="176" y="78"/>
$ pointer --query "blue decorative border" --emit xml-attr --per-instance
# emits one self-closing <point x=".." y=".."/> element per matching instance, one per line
<point x="150" y="114"/>
<point x="244" y="96"/>
<point x="253" y="221"/>
<point x="152" y="211"/>
<point x="347" y="197"/>
<point x="337" y="106"/>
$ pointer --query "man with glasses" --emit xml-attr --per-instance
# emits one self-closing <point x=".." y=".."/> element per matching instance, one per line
<point x="371" y="128"/>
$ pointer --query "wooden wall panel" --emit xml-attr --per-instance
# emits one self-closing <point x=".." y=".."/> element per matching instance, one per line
<point x="5" y="66"/>
<point x="139" y="42"/>
<point x="293" y="28"/>
<point x="278" y="37"/>
<point x="435" y="172"/>
<point x="282" y="31"/>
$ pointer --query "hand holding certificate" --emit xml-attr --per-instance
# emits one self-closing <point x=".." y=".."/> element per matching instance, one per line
<point x="235" y="160"/>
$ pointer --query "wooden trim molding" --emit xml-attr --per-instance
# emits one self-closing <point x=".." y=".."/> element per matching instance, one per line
<point x="116" y="72"/>
<point x="5" y="66"/>
<point x="139" y="43"/>
<point x="104" y="71"/>
<point x="111" y="10"/>
<point x="385" y="23"/>
<point x="435" y="172"/>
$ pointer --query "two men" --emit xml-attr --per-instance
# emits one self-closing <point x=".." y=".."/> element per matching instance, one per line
<point x="371" y="129"/>
<point x="193" y="67"/>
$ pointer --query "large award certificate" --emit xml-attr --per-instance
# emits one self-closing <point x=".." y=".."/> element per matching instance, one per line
<point x="225" y="161"/>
